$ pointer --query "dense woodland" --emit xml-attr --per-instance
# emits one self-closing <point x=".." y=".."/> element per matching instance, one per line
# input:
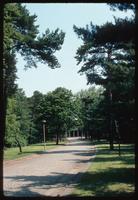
<point x="106" y="57"/>
<point x="63" y="112"/>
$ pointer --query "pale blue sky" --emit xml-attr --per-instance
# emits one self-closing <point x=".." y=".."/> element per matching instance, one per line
<point x="62" y="16"/>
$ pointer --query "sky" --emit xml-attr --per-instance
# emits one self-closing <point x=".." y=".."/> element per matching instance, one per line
<point x="62" y="16"/>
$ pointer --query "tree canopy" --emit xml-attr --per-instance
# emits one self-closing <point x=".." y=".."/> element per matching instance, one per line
<point x="17" y="120"/>
<point x="122" y="6"/>
<point x="107" y="56"/>
<point x="22" y="35"/>
<point x="63" y="111"/>
<point x="58" y="110"/>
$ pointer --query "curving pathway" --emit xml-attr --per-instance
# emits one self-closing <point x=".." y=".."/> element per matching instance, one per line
<point x="53" y="173"/>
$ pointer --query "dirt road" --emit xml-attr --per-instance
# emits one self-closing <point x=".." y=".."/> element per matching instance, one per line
<point x="53" y="173"/>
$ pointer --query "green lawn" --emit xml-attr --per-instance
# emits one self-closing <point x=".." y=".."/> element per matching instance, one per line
<point x="13" y="153"/>
<point x="109" y="174"/>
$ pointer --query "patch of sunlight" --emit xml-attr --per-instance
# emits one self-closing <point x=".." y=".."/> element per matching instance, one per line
<point x="84" y="193"/>
<point x="120" y="187"/>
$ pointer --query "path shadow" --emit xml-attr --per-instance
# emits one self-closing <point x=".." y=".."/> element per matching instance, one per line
<point x="86" y="153"/>
<point x="53" y="152"/>
<point x="79" y="160"/>
<point x="102" y="180"/>
<point x="55" y="180"/>
<point x="127" y="156"/>
<point x="77" y="152"/>
<point x="30" y="152"/>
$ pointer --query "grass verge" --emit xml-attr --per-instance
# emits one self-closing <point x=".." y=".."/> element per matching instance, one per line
<point x="109" y="173"/>
<point x="13" y="153"/>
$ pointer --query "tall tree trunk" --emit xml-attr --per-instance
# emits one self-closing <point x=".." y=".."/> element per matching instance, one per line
<point x="2" y="123"/>
<point x="111" y="138"/>
<point x="111" y="123"/>
<point x="86" y="134"/>
<point x="57" y="139"/>
<point x="3" y="101"/>
<point x="30" y="134"/>
<point x="3" y="109"/>
<point x="19" y="145"/>
<point x="110" y="104"/>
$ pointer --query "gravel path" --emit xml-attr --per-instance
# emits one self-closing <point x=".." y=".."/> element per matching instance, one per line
<point x="53" y="173"/>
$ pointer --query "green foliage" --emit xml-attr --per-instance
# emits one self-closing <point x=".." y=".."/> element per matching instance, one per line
<point x="105" y="47"/>
<point x="35" y="104"/>
<point x="45" y="47"/>
<point x="90" y="111"/>
<point x="58" y="110"/>
<point x="107" y="56"/>
<point x="17" y="120"/>
<point x="23" y="114"/>
<point x="21" y="34"/>
<point x="18" y="26"/>
<point x="9" y="73"/>
<point x="12" y="125"/>
<point x="64" y="112"/>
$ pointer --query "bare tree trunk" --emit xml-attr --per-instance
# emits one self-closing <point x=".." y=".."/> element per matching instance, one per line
<point x="3" y="104"/>
<point x="57" y="139"/>
<point x="110" y="104"/>
<point x="111" y="123"/>
<point x="111" y="137"/>
<point x="86" y="134"/>
<point x="2" y="123"/>
<point x="19" y="145"/>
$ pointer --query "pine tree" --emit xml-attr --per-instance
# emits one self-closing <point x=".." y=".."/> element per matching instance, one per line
<point x="108" y="58"/>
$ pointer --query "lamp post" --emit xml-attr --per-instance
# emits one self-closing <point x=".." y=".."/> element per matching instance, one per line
<point x="76" y="119"/>
<point x="44" y="132"/>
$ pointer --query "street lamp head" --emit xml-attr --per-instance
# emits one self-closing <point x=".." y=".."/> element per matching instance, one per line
<point x="44" y="121"/>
